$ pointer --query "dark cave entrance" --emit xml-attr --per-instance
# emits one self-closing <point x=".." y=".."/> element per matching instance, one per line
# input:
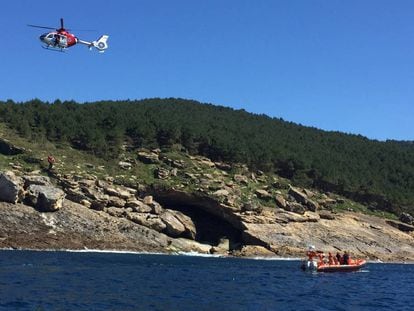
<point x="210" y="228"/>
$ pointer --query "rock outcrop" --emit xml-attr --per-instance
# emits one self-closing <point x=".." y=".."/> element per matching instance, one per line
<point x="8" y="148"/>
<point x="407" y="218"/>
<point x="201" y="206"/>
<point x="10" y="187"/>
<point x="45" y="198"/>
<point x="74" y="227"/>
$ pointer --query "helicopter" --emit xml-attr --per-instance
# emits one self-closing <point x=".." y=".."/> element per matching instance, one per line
<point x="60" y="39"/>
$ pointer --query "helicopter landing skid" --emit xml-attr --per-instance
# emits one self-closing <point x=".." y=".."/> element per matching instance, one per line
<point x="53" y="49"/>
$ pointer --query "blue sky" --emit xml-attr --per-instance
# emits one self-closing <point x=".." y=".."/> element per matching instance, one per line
<point x="332" y="64"/>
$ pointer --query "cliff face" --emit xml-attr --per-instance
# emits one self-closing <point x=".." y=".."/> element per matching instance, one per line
<point x="193" y="204"/>
<point x="287" y="234"/>
<point x="74" y="227"/>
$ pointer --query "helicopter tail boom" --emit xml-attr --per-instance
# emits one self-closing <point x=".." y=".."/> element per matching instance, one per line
<point x="101" y="45"/>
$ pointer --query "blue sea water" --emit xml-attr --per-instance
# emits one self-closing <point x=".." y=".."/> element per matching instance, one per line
<point x="34" y="280"/>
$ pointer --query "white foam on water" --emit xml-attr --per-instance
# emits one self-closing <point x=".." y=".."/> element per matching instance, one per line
<point x="86" y="250"/>
<point x="195" y="254"/>
<point x="111" y="251"/>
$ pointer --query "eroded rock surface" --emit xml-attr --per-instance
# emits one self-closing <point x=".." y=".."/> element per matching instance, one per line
<point x="10" y="187"/>
<point x="74" y="227"/>
<point x="219" y="215"/>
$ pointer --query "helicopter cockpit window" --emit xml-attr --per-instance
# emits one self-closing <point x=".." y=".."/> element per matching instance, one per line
<point x="50" y="36"/>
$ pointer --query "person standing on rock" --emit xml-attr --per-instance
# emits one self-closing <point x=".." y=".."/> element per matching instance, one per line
<point x="51" y="161"/>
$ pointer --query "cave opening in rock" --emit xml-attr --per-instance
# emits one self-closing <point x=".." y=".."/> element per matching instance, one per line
<point x="210" y="229"/>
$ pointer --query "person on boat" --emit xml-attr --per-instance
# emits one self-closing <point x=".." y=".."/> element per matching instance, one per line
<point x="338" y="258"/>
<point x="321" y="257"/>
<point x="345" y="258"/>
<point x="330" y="259"/>
<point x="311" y="253"/>
<point x="335" y="260"/>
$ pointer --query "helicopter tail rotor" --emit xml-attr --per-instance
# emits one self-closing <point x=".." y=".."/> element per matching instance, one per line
<point x="101" y="43"/>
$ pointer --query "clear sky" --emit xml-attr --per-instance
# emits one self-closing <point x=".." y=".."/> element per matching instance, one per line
<point x="332" y="64"/>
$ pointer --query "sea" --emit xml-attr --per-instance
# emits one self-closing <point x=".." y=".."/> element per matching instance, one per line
<point x="63" y="280"/>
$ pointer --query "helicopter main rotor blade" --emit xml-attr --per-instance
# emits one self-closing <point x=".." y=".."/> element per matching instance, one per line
<point x="61" y="23"/>
<point x="44" y="27"/>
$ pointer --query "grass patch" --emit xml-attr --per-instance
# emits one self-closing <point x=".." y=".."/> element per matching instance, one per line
<point x="359" y="208"/>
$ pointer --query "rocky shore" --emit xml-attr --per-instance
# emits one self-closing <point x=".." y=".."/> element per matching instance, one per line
<point x="206" y="207"/>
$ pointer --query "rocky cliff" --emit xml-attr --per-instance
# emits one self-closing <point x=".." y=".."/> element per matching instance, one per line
<point x="192" y="204"/>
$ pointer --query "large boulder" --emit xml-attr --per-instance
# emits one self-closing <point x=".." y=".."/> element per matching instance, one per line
<point x="185" y="245"/>
<point x="148" y="157"/>
<point x="223" y="166"/>
<point x="162" y="173"/>
<point x="255" y="251"/>
<point x="327" y="202"/>
<point x="7" y="148"/>
<point x="76" y="195"/>
<point x="295" y="208"/>
<point x="10" y="187"/>
<point x="116" y="201"/>
<point x="99" y="204"/>
<point x="148" y="199"/>
<point x="221" y="193"/>
<point x="312" y="205"/>
<point x="298" y="195"/>
<point x="175" y="227"/>
<point x="222" y="248"/>
<point x="241" y="179"/>
<point x="407" y="218"/>
<point x="138" y="206"/>
<point x="35" y="180"/>
<point x="119" y="191"/>
<point x="252" y="207"/>
<point x="301" y="196"/>
<point x="326" y="215"/>
<point x="45" y="198"/>
<point x="190" y="228"/>
<point x="263" y="194"/>
<point x="125" y="165"/>
<point x="400" y="226"/>
<point x="280" y="201"/>
<point x="115" y="211"/>
<point x="147" y="220"/>
<point x="93" y="193"/>
<point x="206" y="162"/>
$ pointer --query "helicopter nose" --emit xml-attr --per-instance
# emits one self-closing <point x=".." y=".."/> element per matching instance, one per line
<point x="42" y="38"/>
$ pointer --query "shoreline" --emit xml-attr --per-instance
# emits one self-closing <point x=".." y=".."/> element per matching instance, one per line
<point x="185" y="254"/>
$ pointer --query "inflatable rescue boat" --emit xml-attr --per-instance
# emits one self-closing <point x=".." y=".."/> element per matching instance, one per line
<point x="354" y="265"/>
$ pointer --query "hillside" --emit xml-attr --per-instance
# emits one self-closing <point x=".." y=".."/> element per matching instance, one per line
<point x="170" y="201"/>
<point x="378" y="174"/>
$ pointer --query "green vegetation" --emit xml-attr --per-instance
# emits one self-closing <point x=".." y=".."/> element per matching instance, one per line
<point x="380" y="174"/>
<point x="356" y="207"/>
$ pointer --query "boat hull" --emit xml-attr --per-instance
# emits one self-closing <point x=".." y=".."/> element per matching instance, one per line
<point x="358" y="264"/>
